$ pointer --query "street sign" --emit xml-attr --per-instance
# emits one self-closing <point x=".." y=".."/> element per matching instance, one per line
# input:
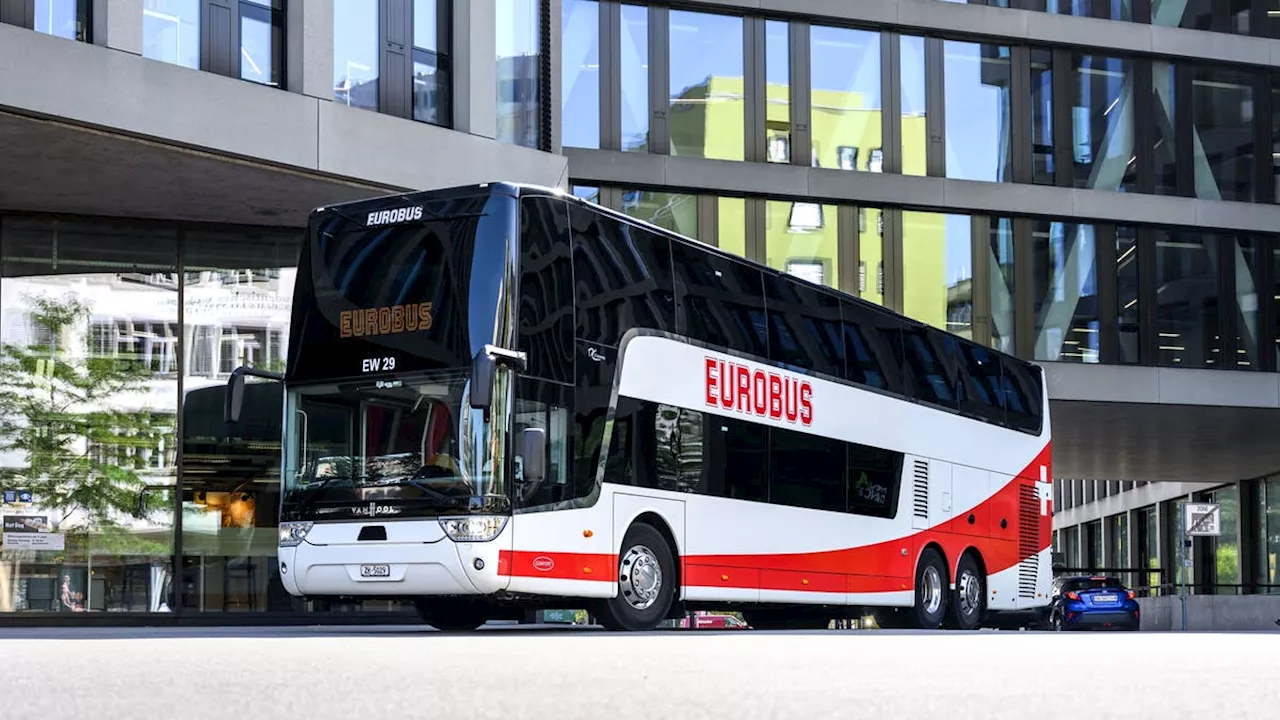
<point x="10" y="497"/>
<point x="24" y="496"/>
<point x="1203" y="519"/>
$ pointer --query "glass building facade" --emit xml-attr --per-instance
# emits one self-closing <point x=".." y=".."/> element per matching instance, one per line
<point x="1095" y="206"/>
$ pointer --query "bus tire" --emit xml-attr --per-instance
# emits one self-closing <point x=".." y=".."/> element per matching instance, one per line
<point x="646" y="582"/>
<point x="451" y="616"/>
<point x="931" y="591"/>
<point x="968" y="599"/>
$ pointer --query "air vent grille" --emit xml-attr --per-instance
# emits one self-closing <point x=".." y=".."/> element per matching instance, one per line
<point x="921" y="489"/>
<point x="1028" y="540"/>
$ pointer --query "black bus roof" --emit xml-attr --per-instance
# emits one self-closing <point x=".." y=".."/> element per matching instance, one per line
<point x="528" y="189"/>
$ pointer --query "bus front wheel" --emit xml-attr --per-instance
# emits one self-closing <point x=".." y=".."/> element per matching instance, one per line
<point x="646" y="582"/>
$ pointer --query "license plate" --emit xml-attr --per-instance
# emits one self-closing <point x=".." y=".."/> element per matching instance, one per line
<point x="1104" y="599"/>
<point x="375" y="571"/>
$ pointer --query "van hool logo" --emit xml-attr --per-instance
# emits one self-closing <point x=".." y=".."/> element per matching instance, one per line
<point x="765" y="394"/>
<point x="385" y="320"/>
<point x="396" y="215"/>
<point x="542" y="563"/>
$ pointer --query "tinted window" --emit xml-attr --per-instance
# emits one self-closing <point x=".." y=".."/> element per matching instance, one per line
<point x="546" y="405"/>
<point x="738" y="458"/>
<point x="1022" y="395"/>
<point x="546" y="294"/>
<point x="622" y="276"/>
<point x="873" y="348"/>
<point x="721" y="301"/>
<point x="925" y="354"/>
<point x="804" y="326"/>
<point x="592" y="395"/>
<point x="978" y="382"/>
<point x="874" y="477"/>
<point x="807" y="471"/>
<point x="679" y="449"/>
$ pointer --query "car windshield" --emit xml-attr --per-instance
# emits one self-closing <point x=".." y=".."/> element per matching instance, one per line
<point x="402" y="447"/>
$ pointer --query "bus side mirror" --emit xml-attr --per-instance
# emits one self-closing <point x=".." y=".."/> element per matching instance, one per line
<point x="235" y="397"/>
<point x="533" y="451"/>
<point x="482" y="381"/>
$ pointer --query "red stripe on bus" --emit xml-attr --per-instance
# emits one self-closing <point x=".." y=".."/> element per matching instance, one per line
<point x="883" y="567"/>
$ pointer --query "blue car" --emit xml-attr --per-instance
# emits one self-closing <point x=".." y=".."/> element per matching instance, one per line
<point x="1085" y="602"/>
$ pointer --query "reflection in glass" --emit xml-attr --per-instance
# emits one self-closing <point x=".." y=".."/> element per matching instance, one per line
<point x="937" y="275"/>
<point x="674" y="211"/>
<point x="1102" y="123"/>
<point x="634" y="49"/>
<point x="171" y="32"/>
<point x="355" y="53"/>
<point x="777" y="49"/>
<point x="1229" y="16"/>
<point x="1000" y="258"/>
<point x="977" y="111"/>
<point x="519" y="46"/>
<point x="1226" y="547"/>
<point x="1245" y="255"/>
<point x="731" y="225"/>
<point x="261" y="42"/>
<point x="871" y="254"/>
<point x="915" y="101"/>
<point x="88" y="410"/>
<point x="1065" y="266"/>
<point x="431" y="64"/>
<point x="1222" y="111"/>
<point x="590" y="193"/>
<point x="236" y="313"/>
<point x="1042" y="167"/>
<point x="1104" y="10"/>
<point x="801" y="239"/>
<point x="1164" y="152"/>
<point x="63" y="18"/>
<point x="580" y="73"/>
<point x="1275" y="133"/>
<point x="1269" y="527"/>
<point x="845" y="98"/>
<point x="1187" y="306"/>
<point x="1128" y="317"/>
<point x="1275" y="294"/>
<point x="708" y="113"/>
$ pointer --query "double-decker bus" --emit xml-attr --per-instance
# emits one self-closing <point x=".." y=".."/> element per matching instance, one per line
<point x="500" y="397"/>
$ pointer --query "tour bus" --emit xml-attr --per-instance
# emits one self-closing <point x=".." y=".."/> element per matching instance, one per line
<point x="502" y="397"/>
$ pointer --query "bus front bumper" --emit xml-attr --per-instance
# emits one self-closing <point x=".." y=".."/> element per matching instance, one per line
<point x="438" y="566"/>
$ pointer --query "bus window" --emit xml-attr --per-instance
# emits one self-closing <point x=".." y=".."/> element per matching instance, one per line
<point x="539" y="405"/>
<point x="807" y="471"/>
<point x="678" y="462"/>
<point x="622" y="276"/>
<point x="546" y="289"/>
<point x="873" y="348"/>
<point x="1023" y="395"/>
<point x="737" y="458"/>
<point x="925" y="353"/>
<point x="979" y="382"/>
<point x="721" y="301"/>
<point x="874" y="476"/>
<point x="804" y="326"/>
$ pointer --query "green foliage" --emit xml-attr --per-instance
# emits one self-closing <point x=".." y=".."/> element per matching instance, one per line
<point x="59" y="410"/>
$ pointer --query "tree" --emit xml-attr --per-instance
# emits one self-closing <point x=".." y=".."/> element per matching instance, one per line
<point x="82" y="453"/>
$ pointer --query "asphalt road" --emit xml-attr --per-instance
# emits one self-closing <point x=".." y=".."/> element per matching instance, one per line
<point x="344" y="673"/>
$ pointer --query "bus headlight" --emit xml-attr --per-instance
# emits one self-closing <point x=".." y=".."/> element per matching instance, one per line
<point x="478" y="528"/>
<point x="292" y="533"/>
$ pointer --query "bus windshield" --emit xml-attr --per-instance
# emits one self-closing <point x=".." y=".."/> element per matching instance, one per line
<point x="391" y="448"/>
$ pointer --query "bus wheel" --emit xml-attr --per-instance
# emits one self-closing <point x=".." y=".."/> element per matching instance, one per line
<point x="965" y="611"/>
<point x="451" y="615"/>
<point x="646" y="582"/>
<point x="931" y="591"/>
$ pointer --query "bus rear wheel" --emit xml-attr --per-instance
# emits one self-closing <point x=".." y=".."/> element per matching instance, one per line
<point x="968" y="599"/>
<point x="931" y="591"/>
<point x="451" y="615"/>
<point x="646" y="582"/>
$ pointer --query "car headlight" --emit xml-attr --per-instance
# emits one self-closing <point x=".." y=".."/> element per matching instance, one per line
<point x="477" y="528"/>
<point x="293" y="533"/>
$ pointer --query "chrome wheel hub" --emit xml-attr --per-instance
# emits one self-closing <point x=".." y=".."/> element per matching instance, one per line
<point x="970" y="593"/>
<point x="640" y="577"/>
<point x="931" y="590"/>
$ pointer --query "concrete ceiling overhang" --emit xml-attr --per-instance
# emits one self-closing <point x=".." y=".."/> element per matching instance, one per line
<point x="1163" y="424"/>
<point x="57" y="167"/>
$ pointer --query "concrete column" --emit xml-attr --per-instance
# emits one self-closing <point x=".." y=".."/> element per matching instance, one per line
<point x="118" y="25"/>
<point x="475" y="63"/>
<point x="309" y="48"/>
